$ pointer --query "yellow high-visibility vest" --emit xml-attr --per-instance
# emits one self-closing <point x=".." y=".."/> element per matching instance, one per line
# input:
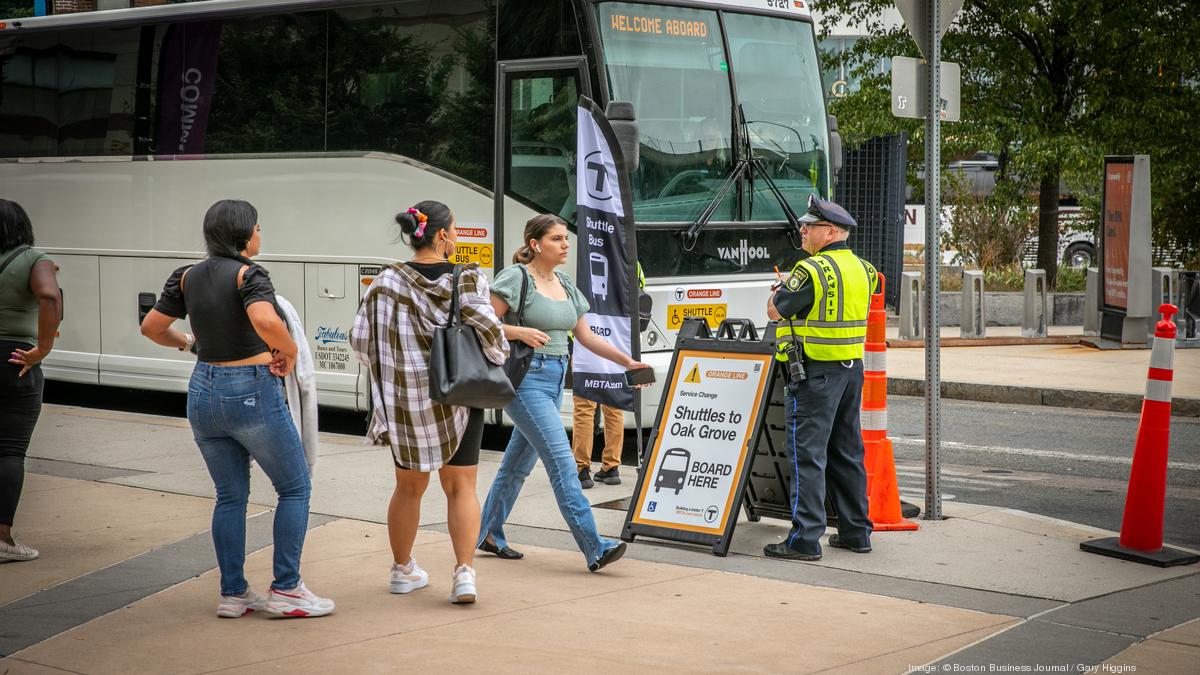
<point x="835" y="328"/>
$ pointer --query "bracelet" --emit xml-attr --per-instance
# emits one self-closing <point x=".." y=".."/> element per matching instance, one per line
<point x="190" y="341"/>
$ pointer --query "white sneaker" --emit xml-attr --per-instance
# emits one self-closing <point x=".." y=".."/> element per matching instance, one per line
<point x="297" y="602"/>
<point x="17" y="552"/>
<point x="233" y="606"/>
<point x="408" y="578"/>
<point x="464" y="586"/>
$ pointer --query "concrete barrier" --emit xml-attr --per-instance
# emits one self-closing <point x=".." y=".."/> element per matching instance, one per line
<point x="911" y="298"/>
<point x="1091" y="302"/>
<point x="974" y="317"/>
<point x="1037" y="308"/>
<point x="1164" y="284"/>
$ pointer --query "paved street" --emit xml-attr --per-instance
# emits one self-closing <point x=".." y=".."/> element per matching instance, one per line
<point x="1060" y="462"/>
<point x="1022" y="485"/>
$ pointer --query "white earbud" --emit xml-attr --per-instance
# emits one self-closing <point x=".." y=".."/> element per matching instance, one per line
<point x="537" y="249"/>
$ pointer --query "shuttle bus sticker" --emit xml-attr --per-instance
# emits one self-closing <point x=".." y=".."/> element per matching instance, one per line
<point x="599" y="275"/>
<point x="673" y="470"/>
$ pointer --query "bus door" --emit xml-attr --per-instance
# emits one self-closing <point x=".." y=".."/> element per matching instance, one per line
<point x="536" y="101"/>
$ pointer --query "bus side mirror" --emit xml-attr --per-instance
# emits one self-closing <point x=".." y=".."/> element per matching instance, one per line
<point x="835" y="148"/>
<point x="623" y="119"/>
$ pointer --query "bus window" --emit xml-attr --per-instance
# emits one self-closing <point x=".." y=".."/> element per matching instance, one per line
<point x="671" y="64"/>
<point x="541" y="140"/>
<point x="68" y="93"/>
<point x="269" y="93"/>
<point x="535" y="29"/>
<point x="410" y="80"/>
<point x="779" y="87"/>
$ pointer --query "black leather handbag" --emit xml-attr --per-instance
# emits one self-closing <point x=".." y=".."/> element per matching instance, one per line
<point x="520" y="355"/>
<point x="459" y="373"/>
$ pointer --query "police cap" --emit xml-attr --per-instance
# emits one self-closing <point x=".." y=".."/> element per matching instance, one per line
<point x="825" y="211"/>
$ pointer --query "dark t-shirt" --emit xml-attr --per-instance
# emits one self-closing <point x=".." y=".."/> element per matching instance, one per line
<point x="217" y="306"/>
<point x="432" y="271"/>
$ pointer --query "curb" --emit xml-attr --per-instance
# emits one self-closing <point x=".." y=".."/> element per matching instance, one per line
<point x="1062" y="398"/>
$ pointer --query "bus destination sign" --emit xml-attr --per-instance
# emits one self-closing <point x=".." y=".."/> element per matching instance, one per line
<point x="474" y="245"/>
<point x="657" y="25"/>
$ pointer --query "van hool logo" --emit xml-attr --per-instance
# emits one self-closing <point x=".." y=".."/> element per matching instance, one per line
<point x="327" y="334"/>
<point x="743" y="253"/>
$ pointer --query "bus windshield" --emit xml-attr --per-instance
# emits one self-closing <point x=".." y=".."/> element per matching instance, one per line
<point x="672" y="63"/>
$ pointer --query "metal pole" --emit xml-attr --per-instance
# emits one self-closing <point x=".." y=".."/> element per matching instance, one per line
<point x="933" y="259"/>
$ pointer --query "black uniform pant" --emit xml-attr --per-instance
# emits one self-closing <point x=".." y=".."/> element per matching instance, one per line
<point x="824" y="442"/>
<point x="20" y="405"/>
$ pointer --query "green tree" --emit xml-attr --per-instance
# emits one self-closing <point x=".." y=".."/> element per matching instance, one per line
<point x="467" y="119"/>
<point x="15" y="9"/>
<point x="1051" y="87"/>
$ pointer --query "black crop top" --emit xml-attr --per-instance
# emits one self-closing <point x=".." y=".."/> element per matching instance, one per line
<point x="217" y="306"/>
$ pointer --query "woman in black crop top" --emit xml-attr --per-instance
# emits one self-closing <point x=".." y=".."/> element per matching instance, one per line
<point x="236" y="404"/>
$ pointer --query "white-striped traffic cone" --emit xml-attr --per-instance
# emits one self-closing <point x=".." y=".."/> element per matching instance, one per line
<point x="883" y="492"/>
<point x="1145" y="500"/>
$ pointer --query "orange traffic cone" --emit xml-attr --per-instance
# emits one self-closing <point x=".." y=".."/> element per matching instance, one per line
<point x="1142" y="524"/>
<point x="883" y="494"/>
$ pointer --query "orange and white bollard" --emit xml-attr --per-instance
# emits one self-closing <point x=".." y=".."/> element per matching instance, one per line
<point x="1145" y="499"/>
<point x="883" y="492"/>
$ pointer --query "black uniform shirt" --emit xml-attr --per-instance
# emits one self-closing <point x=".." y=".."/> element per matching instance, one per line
<point x="795" y="297"/>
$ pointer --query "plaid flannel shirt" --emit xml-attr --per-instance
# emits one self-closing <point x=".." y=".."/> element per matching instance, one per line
<point x="392" y="336"/>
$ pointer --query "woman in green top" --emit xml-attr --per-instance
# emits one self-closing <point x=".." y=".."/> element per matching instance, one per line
<point x="30" y="308"/>
<point x="554" y="307"/>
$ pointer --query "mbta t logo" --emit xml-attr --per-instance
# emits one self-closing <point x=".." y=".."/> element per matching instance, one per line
<point x="598" y="183"/>
<point x="711" y="513"/>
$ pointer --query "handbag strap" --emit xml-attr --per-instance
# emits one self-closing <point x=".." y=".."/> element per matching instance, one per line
<point x="454" y="317"/>
<point x="524" y="294"/>
<point x="21" y="249"/>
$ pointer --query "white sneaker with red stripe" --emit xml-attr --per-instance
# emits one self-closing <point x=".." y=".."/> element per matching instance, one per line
<point x="297" y="602"/>
<point x="233" y="606"/>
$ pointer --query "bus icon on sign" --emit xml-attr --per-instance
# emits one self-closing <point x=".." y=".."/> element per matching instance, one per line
<point x="673" y="470"/>
<point x="599" y="275"/>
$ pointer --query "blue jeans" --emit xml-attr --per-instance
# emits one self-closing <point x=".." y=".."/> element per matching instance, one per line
<point x="238" y="413"/>
<point x="539" y="432"/>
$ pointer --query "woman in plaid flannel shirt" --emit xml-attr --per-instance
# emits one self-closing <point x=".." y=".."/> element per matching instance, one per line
<point x="392" y="336"/>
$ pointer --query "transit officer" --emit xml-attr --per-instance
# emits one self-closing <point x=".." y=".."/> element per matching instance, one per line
<point x="822" y="312"/>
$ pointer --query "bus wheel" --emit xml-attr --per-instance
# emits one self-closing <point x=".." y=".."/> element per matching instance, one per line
<point x="1080" y="255"/>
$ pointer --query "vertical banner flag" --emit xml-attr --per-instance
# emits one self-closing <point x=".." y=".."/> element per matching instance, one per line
<point x="606" y="272"/>
<point x="187" y="78"/>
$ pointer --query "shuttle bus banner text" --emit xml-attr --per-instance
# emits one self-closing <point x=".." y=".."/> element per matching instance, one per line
<point x="606" y="274"/>
<point x="701" y="447"/>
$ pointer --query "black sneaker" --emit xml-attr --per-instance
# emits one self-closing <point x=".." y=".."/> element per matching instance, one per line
<point x="836" y="542"/>
<point x="585" y="478"/>
<point x="609" y="557"/>
<point x="785" y="552"/>
<point x="609" y="476"/>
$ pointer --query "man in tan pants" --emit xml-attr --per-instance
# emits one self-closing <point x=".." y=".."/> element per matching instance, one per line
<point x="583" y="435"/>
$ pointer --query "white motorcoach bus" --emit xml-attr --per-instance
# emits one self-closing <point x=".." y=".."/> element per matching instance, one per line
<point x="119" y="128"/>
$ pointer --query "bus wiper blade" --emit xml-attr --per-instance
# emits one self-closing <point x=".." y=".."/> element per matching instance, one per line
<point x="745" y="167"/>
<point x="741" y="168"/>
<point x="692" y="234"/>
<point x="793" y="221"/>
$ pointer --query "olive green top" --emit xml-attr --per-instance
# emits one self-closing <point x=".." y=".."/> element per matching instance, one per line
<point x="555" y="318"/>
<point x="18" y="305"/>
